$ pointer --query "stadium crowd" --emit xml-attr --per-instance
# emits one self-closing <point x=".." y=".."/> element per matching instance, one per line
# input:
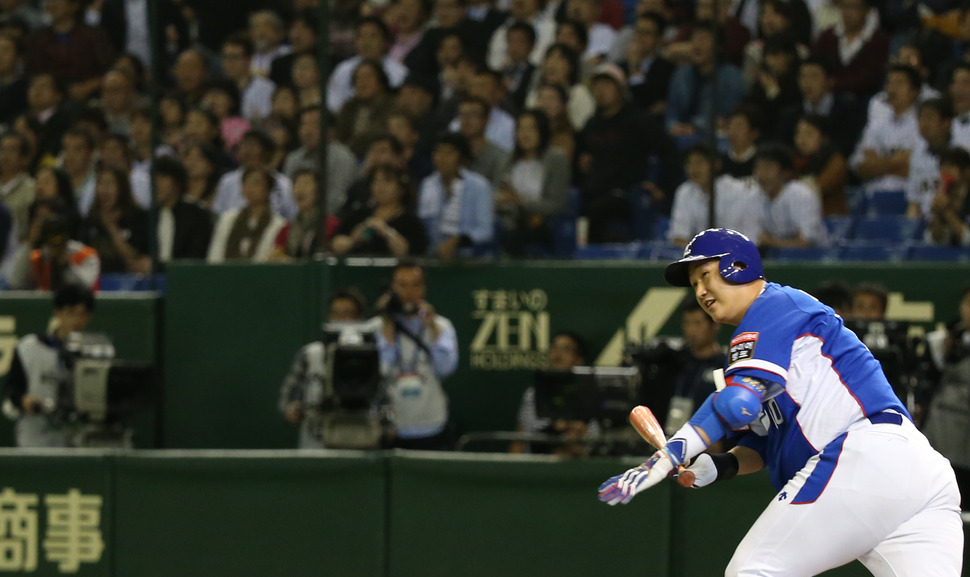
<point x="464" y="128"/>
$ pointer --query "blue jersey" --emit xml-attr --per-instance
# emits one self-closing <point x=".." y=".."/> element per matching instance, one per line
<point x="823" y="378"/>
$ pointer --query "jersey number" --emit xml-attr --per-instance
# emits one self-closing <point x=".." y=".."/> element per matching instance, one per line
<point x="773" y="412"/>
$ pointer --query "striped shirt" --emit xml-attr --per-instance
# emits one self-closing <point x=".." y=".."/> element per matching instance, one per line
<point x="797" y="210"/>
<point x="887" y="136"/>
<point x="736" y="208"/>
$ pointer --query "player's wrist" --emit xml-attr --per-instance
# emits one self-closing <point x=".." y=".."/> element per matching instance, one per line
<point x="726" y="464"/>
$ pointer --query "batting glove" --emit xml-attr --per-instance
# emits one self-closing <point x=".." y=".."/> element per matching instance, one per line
<point x="623" y="488"/>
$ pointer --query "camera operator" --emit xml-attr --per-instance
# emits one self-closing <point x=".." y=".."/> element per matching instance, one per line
<point x="309" y="370"/>
<point x="698" y="359"/>
<point x="39" y="376"/>
<point x="418" y="348"/>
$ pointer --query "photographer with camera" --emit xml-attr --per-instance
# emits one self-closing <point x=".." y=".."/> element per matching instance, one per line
<point x="39" y="381"/>
<point x="418" y="349"/>
<point x="304" y="382"/>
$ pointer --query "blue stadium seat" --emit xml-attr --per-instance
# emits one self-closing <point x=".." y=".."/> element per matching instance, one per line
<point x="811" y="253"/>
<point x="857" y="199"/>
<point x="886" y="202"/>
<point x="130" y="282"/>
<point x="888" y="228"/>
<point x="840" y="227"/>
<point x="621" y="251"/>
<point x="873" y="251"/>
<point x="926" y="252"/>
<point x="660" y="250"/>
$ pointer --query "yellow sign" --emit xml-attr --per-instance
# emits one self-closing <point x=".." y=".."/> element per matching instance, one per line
<point x="513" y="332"/>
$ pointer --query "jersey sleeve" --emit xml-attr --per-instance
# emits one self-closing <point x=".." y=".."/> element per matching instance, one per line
<point x="762" y="346"/>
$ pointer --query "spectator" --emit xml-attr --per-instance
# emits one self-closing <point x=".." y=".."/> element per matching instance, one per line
<point x="416" y="98"/>
<point x="191" y="74"/>
<point x="341" y="163"/>
<point x="406" y="130"/>
<point x="529" y="13"/>
<point x="734" y="201"/>
<point x="792" y="211"/>
<point x="126" y="23"/>
<point x="115" y="227"/>
<point x="409" y="24"/>
<point x="882" y="157"/>
<point x="485" y="12"/>
<point x="183" y="228"/>
<point x="488" y="159"/>
<point x="283" y="133"/>
<point x="489" y="86"/>
<point x="816" y="83"/>
<point x="308" y="373"/>
<point x="70" y="50"/>
<point x="552" y="101"/>
<point x="535" y="187"/>
<point x="13" y="83"/>
<point x="736" y="36"/>
<point x="201" y="163"/>
<point x="775" y="86"/>
<point x="248" y="232"/>
<point x="25" y="11"/>
<point x="689" y="102"/>
<point x="79" y="164"/>
<point x="449" y="17"/>
<point x="836" y="295"/>
<point x="385" y="149"/>
<point x="303" y="38"/>
<point x="222" y="100"/>
<point x="286" y="105"/>
<point x="387" y="226"/>
<point x="601" y="36"/>
<point x="908" y="55"/>
<point x="518" y="71"/>
<point x="857" y="47"/>
<point x="365" y="114"/>
<point x="949" y="219"/>
<point x="118" y="96"/>
<point x="561" y="68"/>
<point x="268" y="32"/>
<point x="308" y="234"/>
<point x="649" y="72"/>
<point x="573" y="34"/>
<point x="454" y="203"/>
<point x="869" y="302"/>
<point x="172" y="110"/>
<point x="935" y="119"/>
<point x="30" y="398"/>
<point x="820" y="165"/>
<point x="256" y="91"/>
<point x="45" y="99"/>
<point x="57" y="261"/>
<point x="255" y="151"/>
<point x="959" y="92"/>
<point x="372" y="41"/>
<point x="776" y="22"/>
<point x="696" y="361"/>
<point x="54" y="184"/>
<point x="16" y="184"/>
<point x="743" y="130"/>
<point x="306" y="80"/>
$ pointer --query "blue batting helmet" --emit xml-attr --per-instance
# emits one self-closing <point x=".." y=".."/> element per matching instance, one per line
<point x="739" y="263"/>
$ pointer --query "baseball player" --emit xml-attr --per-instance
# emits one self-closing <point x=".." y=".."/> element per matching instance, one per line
<point x="855" y="478"/>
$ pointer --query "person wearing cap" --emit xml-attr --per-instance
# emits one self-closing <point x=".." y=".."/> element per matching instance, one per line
<point x="854" y="478"/>
<point x="613" y="150"/>
<point x="58" y="260"/>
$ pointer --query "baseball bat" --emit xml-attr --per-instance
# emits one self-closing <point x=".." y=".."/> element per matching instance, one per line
<point x="649" y="428"/>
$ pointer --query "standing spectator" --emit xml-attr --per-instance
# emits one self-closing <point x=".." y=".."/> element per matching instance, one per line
<point x="488" y="159"/>
<point x="792" y="211"/>
<point x="734" y="206"/>
<point x="820" y="165"/>
<point x="255" y="151"/>
<point x="191" y="74"/>
<point x="535" y="187"/>
<point x="256" y="91"/>
<point x="418" y="349"/>
<point x="600" y="36"/>
<point x="743" y="130"/>
<point x="268" y="32"/>
<point x="528" y="12"/>
<point x="882" y="157"/>
<point x="341" y="163"/>
<point x="116" y="227"/>
<point x="454" y="203"/>
<point x="518" y="71"/>
<point x="70" y="50"/>
<point x="949" y="219"/>
<point x="857" y="47"/>
<point x="561" y="68"/>
<point x="57" y="261"/>
<point x="303" y="38"/>
<point x="689" y="103"/>
<point x="249" y="232"/>
<point x="183" y="228"/>
<point x="649" y="72"/>
<point x="16" y="185"/>
<point x="365" y="114"/>
<point x="387" y="226"/>
<point x="372" y="42"/>
<point x="13" y="83"/>
<point x="935" y="119"/>
<point x="79" y="164"/>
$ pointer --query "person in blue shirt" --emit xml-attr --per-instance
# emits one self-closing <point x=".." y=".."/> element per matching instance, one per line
<point x="855" y="479"/>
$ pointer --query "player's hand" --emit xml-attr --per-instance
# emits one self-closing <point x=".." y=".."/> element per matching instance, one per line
<point x="704" y="471"/>
<point x="623" y="488"/>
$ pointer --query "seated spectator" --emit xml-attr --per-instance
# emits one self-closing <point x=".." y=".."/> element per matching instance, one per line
<point x="48" y="106"/>
<point x="54" y="184"/>
<point x="385" y="149"/>
<point x="882" y="157"/>
<point x="341" y="164"/>
<point x="407" y="131"/>
<point x="191" y="73"/>
<point x="303" y="38"/>
<point x="222" y="99"/>
<point x="416" y="99"/>
<point x="308" y="234"/>
<point x="907" y="55"/>
<point x="306" y="80"/>
<point x="183" y="228"/>
<point x="561" y="68"/>
<point x="935" y="119"/>
<point x="678" y="45"/>
<point x="573" y="34"/>
<point x="248" y="232"/>
<point x="201" y="163"/>
<point x="518" y="71"/>
<point x="387" y="226"/>
<point x="735" y="202"/>
<point x="79" y="163"/>
<point x="365" y="114"/>
<point x="284" y="135"/>
<point x="454" y="203"/>
<point x="126" y="24"/>
<point x="16" y="185"/>
<point x="857" y="47"/>
<point x="172" y="111"/>
<point x="116" y="227"/>
<point x="13" y="82"/>
<point x="775" y="86"/>
<point x="959" y="93"/>
<point x="285" y="103"/>
<point x="528" y="12"/>
<point x="57" y="260"/>
<point x="372" y="41"/>
<point x="869" y="302"/>
<point x="552" y="102"/>
<point x="268" y="32"/>
<point x="118" y="97"/>
<point x="649" y="72"/>
<point x="534" y="188"/>
<point x="689" y="101"/>
<point x="601" y="36"/>
<point x="202" y="125"/>
<point x="792" y="211"/>
<point x="488" y="86"/>
<point x="256" y="91"/>
<point x="255" y="151"/>
<point x="743" y="130"/>
<point x="409" y="23"/>
<point x="949" y="219"/>
<point x="820" y="165"/>
<point x="448" y="17"/>
<point x="488" y="159"/>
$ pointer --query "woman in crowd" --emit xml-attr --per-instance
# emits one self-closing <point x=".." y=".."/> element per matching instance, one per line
<point x="552" y="101"/>
<point x="561" y="68"/>
<point x="116" y="227"/>
<point x="248" y="233"/>
<point x="306" y="80"/>
<point x="54" y="183"/>
<point x="285" y="103"/>
<point x="309" y="232"/>
<point x="202" y="165"/>
<point x="535" y="188"/>
<point x="365" y="115"/>
<point x="222" y="99"/>
<point x="387" y="225"/>
<point x="820" y="164"/>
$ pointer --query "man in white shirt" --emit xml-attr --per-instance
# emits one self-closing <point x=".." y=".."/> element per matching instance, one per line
<point x="268" y="31"/>
<point x="882" y="157"/>
<point x="372" y="41"/>
<point x="600" y="37"/>
<point x="489" y="86"/>
<point x="529" y="12"/>
<point x="792" y="214"/>
<point x="255" y="150"/>
<point x="935" y="119"/>
<point x="256" y="92"/>
<point x="960" y="95"/>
